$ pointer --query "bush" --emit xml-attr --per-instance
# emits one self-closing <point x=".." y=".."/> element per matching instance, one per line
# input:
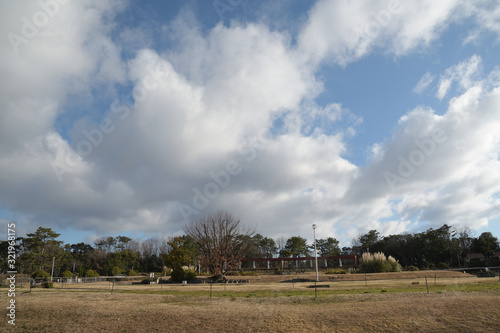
<point x="378" y="263"/>
<point x="277" y="270"/>
<point x="91" y="273"/>
<point x="132" y="273"/>
<point x="40" y="274"/>
<point x="412" y="268"/>
<point x="443" y="265"/>
<point x="189" y="275"/>
<point x="67" y="274"/>
<point x="177" y="275"/>
<point x="116" y="271"/>
<point x="396" y="267"/>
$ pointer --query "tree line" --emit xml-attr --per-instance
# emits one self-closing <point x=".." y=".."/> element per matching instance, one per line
<point x="218" y="242"/>
<point x="434" y="248"/>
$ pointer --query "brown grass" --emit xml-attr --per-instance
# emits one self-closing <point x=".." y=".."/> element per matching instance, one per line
<point x="91" y="311"/>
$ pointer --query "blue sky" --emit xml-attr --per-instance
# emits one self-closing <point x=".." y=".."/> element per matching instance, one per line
<point x="135" y="118"/>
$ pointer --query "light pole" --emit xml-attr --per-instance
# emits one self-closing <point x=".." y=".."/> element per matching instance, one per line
<point x="315" y="251"/>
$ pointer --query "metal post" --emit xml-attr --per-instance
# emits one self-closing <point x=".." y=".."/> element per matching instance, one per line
<point x="315" y="251"/>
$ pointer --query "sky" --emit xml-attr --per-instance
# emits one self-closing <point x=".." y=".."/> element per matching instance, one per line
<point x="137" y="118"/>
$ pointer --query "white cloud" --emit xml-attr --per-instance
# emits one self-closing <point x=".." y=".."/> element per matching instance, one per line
<point x="487" y="15"/>
<point x="424" y="82"/>
<point x="465" y="74"/>
<point x="345" y="31"/>
<point x="453" y="179"/>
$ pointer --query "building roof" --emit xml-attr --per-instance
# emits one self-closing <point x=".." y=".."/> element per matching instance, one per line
<point x="475" y="256"/>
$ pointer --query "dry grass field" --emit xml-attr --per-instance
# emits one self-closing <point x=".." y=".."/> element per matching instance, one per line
<point x="456" y="302"/>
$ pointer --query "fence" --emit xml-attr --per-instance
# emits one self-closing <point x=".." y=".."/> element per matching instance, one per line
<point x="301" y="263"/>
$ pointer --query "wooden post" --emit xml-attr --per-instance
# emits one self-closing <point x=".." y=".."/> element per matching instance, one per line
<point x="426" y="284"/>
<point x="211" y="289"/>
<point x="30" y="286"/>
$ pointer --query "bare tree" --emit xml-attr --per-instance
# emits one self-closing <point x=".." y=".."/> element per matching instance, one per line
<point x="222" y="241"/>
<point x="280" y="243"/>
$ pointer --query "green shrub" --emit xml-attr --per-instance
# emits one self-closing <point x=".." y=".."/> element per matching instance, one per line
<point x="442" y="265"/>
<point x="189" y="275"/>
<point x="177" y="275"/>
<point x="40" y="274"/>
<point x="132" y="273"/>
<point x="67" y="274"/>
<point x="396" y="267"/>
<point x="91" y="273"/>
<point x="336" y="271"/>
<point x="277" y="270"/>
<point x="116" y="271"/>
<point x="412" y="268"/>
<point x="375" y="266"/>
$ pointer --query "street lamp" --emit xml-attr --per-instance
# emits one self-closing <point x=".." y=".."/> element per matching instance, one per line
<point x="315" y="251"/>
